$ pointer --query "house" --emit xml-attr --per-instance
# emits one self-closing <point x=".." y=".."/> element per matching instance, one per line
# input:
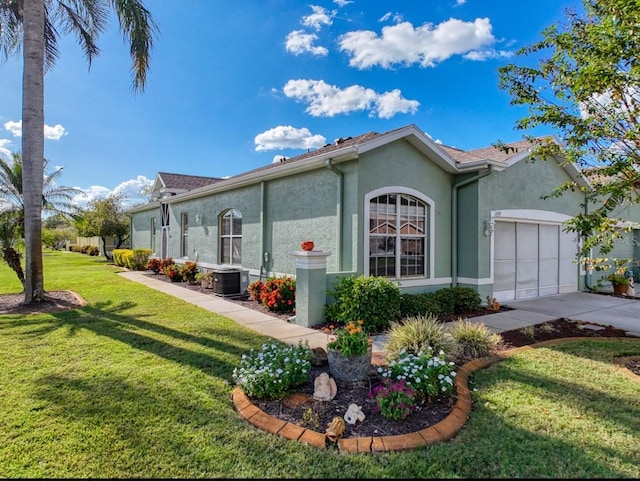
<point x="394" y="204"/>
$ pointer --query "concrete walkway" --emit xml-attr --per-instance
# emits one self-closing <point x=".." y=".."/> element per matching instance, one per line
<point x="608" y="310"/>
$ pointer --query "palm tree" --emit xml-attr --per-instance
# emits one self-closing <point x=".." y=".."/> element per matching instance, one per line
<point x="56" y="199"/>
<point x="32" y="25"/>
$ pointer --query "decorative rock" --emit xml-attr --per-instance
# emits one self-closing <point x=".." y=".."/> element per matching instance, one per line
<point x="335" y="429"/>
<point x="325" y="388"/>
<point x="354" y="414"/>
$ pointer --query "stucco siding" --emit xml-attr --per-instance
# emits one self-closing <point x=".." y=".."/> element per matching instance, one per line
<point x="301" y="207"/>
<point x="400" y="164"/>
<point x="141" y="229"/>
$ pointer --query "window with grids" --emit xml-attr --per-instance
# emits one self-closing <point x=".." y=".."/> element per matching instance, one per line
<point x="231" y="237"/>
<point x="397" y="236"/>
<point x="184" y="227"/>
<point x="153" y="234"/>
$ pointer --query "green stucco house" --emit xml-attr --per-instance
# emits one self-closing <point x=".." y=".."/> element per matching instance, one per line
<point x="392" y="204"/>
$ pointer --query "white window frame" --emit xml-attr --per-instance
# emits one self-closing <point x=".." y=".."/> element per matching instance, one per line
<point x="184" y="234"/>
<point x="429" y="237"/>
<point x="231" y="236"/>
<point x="153" y="235"/>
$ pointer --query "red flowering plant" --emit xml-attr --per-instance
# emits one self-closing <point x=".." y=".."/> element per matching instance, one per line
<point x="277" y="294"/>
<point x="174" y="272"/>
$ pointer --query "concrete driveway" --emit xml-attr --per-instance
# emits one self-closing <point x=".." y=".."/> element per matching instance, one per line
<point x="583" y="306"/>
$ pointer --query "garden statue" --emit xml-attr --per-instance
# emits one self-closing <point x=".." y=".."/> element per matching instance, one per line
<point x="335" y="429"/>
<point x="354" y="414"/>
<point x="325" y="388"/>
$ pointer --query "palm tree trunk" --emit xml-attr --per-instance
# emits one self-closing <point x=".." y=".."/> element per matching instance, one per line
<point x="33" y="146"/>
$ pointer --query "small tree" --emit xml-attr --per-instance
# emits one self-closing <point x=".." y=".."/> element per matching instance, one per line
<point x="105" y="218"/>
<point x="10" y="237"/>
<point x="588" y="88"/>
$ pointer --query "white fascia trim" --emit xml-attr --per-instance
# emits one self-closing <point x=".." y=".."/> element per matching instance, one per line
<point x="477" y="165"/>
<point x="475" y="282"/>
<point x="312" y="163"/>
<point x="529" y="215"/>
<point x="142" y="208"/>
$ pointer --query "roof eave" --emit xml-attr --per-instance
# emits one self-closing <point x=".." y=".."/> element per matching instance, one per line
<point x="305" y="165"/>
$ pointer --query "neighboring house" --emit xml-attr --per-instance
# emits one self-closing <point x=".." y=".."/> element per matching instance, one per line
<point x="394" y="204"/>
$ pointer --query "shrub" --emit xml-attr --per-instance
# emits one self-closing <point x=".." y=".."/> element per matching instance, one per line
<point x="465" y="299"/>
<point x="473" y="339"/>
<point x="164" y="263"/>
<point x="445" y="300"/>
<point x="154" y="264"/>
<point x="272" y="371"/>
<point x="174" y="272"/>
<point x="428" y="374"/>
<point x="277" y="294"/>
<point x="418" y="304"/>
<point x="119" y="256"/>
<point x="189" y="270"/>
<point x="416" y="333"/>
<point x="137" y="259"/>
<point x="376" y="300"/>
<point x="255" y="289"/>
<point x="394" y="399"/>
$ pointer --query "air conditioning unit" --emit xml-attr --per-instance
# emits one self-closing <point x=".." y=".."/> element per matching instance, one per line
<point x="230" y="281"/>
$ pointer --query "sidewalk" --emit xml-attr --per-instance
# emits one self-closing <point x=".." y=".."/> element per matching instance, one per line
<point x="615" y="311"/>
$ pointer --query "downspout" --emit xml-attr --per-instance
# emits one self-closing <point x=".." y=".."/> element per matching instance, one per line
<point x="339" y="211"/>
<point x="263" y="252"/>
<point x="454" y="221"/>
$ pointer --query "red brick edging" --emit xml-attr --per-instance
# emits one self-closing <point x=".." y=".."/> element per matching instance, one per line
<point x="441" y="431"/>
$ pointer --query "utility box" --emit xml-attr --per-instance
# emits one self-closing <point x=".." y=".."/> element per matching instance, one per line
<point x="226" y="281"/>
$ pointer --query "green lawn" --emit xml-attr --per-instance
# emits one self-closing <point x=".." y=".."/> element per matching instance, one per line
<point x="137" y="384"/>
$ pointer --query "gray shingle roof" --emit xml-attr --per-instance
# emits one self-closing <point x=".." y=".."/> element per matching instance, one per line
<point x="185" y="182"/>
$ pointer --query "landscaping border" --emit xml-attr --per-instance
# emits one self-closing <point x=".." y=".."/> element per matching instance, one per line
<point x="441" y="431"/>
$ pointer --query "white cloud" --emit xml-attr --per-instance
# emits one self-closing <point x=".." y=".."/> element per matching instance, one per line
<point x="50" y="133"/>
<point x="488" y="54"/>
<point x="278" y="158"/>
<point x="300" y="42"/>
<point x="4" y="151"/>
<point x="426" y="45"/>
<point x="460" y="2"/>
<point x="342" y="3"/>
<point x="55" y="132"/>
<point x="326" y="100"/>
<point x="90" y="193"/>
<point x="288" y="137"/>
<point x="318" y="18"/>
<point x="15" y="127"/>
<point x="130" y="189"/>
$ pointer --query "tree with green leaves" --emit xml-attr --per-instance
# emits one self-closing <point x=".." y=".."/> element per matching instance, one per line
<point x="56" y="199"/>
<point x="33" y="27"/>
<point x="584" y="82"/>
<point x="10" y="237"/>
<point x="104" y="218"/>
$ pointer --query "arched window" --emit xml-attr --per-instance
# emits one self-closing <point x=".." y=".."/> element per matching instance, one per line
<point x="231" y="237"/>
<point x="398" y="236"/>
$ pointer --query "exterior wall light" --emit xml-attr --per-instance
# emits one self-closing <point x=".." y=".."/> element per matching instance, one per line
<point x="489" y="227"/>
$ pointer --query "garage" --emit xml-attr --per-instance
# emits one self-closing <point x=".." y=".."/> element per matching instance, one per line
<point x="533" y="259"/>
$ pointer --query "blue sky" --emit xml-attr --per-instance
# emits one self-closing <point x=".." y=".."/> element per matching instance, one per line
<point x="233" y="85"/>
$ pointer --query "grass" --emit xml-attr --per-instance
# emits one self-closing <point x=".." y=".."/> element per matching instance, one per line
<point x="137" y="384"/>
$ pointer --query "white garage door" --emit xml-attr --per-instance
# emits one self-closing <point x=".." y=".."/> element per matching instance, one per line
<point x="533" y="260"/>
